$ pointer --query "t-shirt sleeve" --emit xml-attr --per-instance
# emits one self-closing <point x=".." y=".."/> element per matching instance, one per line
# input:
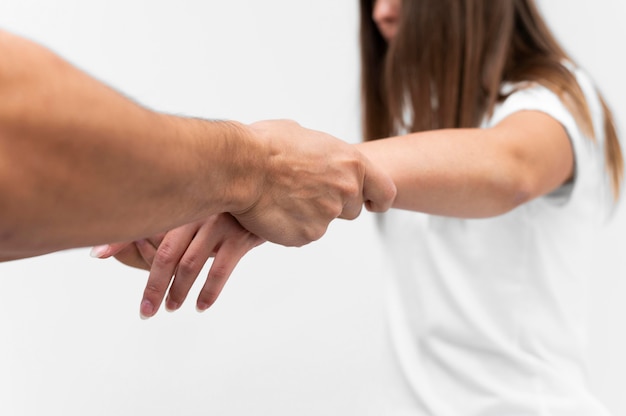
<point x="539" y="98"/>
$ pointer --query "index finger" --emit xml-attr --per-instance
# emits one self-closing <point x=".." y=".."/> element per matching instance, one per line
<point x="164" y="266"/>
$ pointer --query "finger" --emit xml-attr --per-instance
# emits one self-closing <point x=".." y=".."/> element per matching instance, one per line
<point x="147" y="250"/>
<point x="226" y="260"/>
<point x="107" y="250"/>
<point x="353" y="193"/>
<point x="157" y="239"/>
<point x="163" y="267"/>
<point x="352" y="209"/>
<point x="190" y="265"/>
<point x="131" y="256"/>
<point x="379" y="191"/>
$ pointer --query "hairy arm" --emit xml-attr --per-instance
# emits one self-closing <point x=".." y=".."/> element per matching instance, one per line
<point x="80" y="164"/>
<point x="475" y="173"/>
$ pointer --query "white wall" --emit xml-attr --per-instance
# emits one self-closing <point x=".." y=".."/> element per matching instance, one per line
<point x="297" y="331"/>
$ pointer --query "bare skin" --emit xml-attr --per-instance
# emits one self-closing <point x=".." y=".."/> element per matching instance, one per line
<point x="464" y="173"/>
<point x="176" y="258"/>
<point x="82" y="165"/>
<point x="476" y="173"/>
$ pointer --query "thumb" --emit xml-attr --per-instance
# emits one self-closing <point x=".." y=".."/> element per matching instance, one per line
<point x="379" y="190"/>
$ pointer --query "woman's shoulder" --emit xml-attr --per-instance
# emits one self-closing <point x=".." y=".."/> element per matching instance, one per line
<point x="528" y="96"/>
<point x="533" y="95"/>
<point x="588" y="150"/>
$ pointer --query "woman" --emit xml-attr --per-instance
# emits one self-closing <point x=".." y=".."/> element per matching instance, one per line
<point x="506" y="148"/>
<point x="505" y="160"/>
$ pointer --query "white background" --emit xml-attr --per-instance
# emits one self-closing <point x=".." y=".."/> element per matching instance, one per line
<point x="297" y="331"/>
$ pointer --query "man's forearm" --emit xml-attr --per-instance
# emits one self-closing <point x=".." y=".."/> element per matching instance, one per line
<point x="81" y="164"/>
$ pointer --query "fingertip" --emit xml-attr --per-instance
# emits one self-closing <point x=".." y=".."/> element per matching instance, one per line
<point x="99" y="252"/>
<point x="171" y="306"/>
<point x="146" y="310"/>
<point x="202" y="306"/>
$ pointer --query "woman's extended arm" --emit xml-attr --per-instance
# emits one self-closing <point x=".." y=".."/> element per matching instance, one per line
<point x="474" y="173"/>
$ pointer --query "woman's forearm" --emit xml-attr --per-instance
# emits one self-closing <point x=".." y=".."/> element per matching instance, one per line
<point x="450" y="176"/>
<point x="474" y="173"/>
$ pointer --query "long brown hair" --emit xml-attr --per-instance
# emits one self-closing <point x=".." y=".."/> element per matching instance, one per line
<point x="449" y="60"/>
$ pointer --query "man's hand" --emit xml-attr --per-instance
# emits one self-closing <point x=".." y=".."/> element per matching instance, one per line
<point x="310" y="178"/>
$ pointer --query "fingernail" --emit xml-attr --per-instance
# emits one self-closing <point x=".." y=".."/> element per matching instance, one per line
<point x="171" y="306"/>
<point x="146" y="310"/>
<point x="201" y="307"/>
<point x="99" y="251"/>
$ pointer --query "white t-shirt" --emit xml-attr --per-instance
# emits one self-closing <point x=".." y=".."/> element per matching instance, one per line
<point x="488" y="317"/>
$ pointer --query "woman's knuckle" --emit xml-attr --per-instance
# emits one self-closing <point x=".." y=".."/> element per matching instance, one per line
<point x="155" y="288"/>
<point x="219" y="272"/>
<point x="189" y="265"/>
